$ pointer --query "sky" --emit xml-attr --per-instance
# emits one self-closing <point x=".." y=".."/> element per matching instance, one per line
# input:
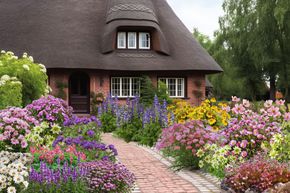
<point x="202" y="14"/>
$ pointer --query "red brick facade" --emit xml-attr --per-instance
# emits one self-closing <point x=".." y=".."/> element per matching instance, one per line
<point x="100" y="81"/>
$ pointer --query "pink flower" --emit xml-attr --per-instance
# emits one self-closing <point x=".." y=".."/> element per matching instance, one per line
<point x="239" y="109"/>
<point x="287" y="116"/>
<point x="244" y="154"/>
<point x="14" y="141"/>
<point x="2" y="137"/>
<point x="274" y="111"/>
<point x="280" y="102"/>
<point x="244" y="144"/>
<point x="24" y="144"/>
<point x="235" y="99"/>
<point x="246" y="103"/>
<point x="268" y="103"/>
<point x="233" y="143"/>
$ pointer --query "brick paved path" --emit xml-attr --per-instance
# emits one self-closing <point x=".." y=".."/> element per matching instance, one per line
<point x="152" y="175"/>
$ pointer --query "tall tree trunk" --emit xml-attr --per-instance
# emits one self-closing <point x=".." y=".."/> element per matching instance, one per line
<point x="272" y="88"/>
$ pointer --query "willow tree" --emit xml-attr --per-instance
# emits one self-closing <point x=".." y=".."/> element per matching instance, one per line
<point x="257" y="35"/>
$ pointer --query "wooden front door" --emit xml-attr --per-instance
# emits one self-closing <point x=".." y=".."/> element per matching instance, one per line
<point x="79" y="92"/>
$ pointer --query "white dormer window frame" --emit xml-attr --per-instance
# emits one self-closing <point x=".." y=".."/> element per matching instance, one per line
<point x="132" y="40"/>
<point x="121" y="40"/>
<point x="144" y="38"/>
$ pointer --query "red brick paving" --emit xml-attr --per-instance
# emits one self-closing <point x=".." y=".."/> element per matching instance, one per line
<point x="152" y="175"/>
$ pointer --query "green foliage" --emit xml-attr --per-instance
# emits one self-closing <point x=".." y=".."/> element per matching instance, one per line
<point x="32" y="75"/>
<point x="128" y="131"/>
<point x="149" y="135"/>
<point x="149" y="91"/>
<point x="109" y="122"/>
<point x="10" y="92"/>
<point x="182" y="159"/>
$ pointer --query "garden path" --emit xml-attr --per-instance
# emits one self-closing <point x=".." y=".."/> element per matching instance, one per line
<point x="153" y="176"/>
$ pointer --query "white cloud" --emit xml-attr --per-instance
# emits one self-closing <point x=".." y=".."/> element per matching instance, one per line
<point x="202" y="14"/>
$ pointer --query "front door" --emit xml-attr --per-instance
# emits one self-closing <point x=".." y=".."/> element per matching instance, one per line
<point x="79" y="92"/>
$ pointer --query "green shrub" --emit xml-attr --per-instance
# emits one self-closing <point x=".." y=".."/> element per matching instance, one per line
<point x="149" y="134"/>
<point x="129" y="131"/>
<point x="32" y="75"/>
<point x="109" y="122"/>
<point x="10" y="92"/>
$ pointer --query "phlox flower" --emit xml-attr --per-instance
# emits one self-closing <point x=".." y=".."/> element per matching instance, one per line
<point x="238" y="109"/>
<point x="268" y="103"/>
<point x="274" y="111"/>
<point x="246" y="103"/>
<point x="11" y="189"/>
<point x="235" y="99"/>
<point x="280" y="102"/>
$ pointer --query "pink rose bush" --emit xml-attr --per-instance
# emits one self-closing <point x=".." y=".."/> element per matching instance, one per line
<point x="15" y="124"/>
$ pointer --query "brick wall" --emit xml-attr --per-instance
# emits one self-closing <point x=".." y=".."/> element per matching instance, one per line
<point x="100" y="81"/>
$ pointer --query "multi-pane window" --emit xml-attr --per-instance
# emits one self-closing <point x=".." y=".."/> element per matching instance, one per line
<point x="125" y="86"/>
<point x="128" y="40"/>
<point x="175" y="86"/>
<point x="132" y="40"/>
<point x="144" y="40"/>
<point x="122" y="40"/>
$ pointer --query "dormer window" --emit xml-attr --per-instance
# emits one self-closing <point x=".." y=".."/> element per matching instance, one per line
<point x="134" y="40"/>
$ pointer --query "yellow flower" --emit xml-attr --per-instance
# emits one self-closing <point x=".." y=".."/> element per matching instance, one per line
<point x="211" y="121"/>
<point x="213" y="100"/>
<point x="215" y="128"/>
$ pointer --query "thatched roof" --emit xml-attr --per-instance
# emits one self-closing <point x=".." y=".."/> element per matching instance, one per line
<point x="81" y="34"/>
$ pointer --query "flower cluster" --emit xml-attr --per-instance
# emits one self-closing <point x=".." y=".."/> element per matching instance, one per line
<point x="215" y="159"/>
<point x="43" y="134"/>
<point x="15" y="123"/>
<point x="93" y="150"/>
<point x="75" y="120"/>
<point x="7" y="79"/>
<point x="13" y="171"/>
<point x="185" y="140"/>
<point x="108" y="177"/>
<point x="62" y="174"/>
<point x="135" y="110"/>
<point x="213" y="113"/>
<point x="192" y="136"/>
<point x="57" y="154"/>
<point x="50" y="109"/>
<point x="257" y="174"/>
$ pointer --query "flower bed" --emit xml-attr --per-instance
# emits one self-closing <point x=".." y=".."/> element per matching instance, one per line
<point x="58" y="148"/>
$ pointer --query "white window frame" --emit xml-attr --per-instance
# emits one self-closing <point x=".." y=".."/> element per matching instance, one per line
<point x="176" y="86"/>
<point x="140" y="40"/>
<point x="121" y="85"/>
<point x="124" y="34"/>
<point x="135" y="40"/>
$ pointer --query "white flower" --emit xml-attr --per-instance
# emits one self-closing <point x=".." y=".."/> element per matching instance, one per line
<point x="18" y="179"/>
<point x="3" y="52"/>
<point x="24" y="173"/>
<point x="12" y="172"/>
<point x="25" y="183"/>
<point x="5" y="77"/>
<point x="26" y="67"/>
<point x="10" y="53"/>
<point x="11" y="189"/>
<point x="31" y="58"/>
<point x="25" y="55"/>
<point x="14" y="57"/>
